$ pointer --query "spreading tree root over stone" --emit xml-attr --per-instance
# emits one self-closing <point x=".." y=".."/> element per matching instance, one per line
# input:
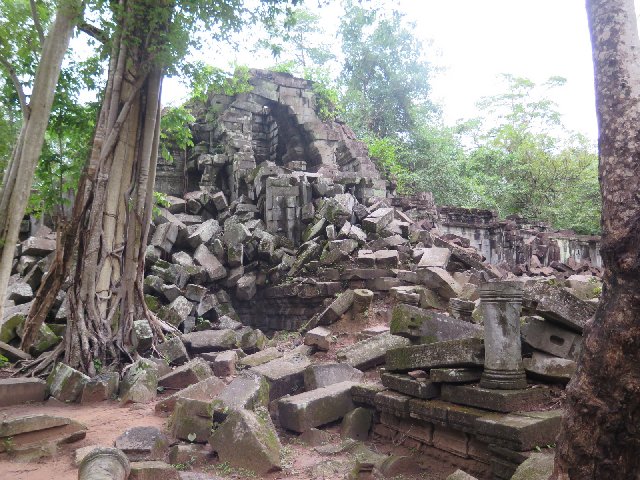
<point x="107" y="236"/>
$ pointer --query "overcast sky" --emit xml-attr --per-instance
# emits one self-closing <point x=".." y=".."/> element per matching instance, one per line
<point x="475" y="41"/>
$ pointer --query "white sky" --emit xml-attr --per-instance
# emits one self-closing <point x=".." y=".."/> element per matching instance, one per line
<point x="475" y="41"/>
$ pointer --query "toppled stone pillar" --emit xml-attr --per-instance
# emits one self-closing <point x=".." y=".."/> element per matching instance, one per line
<point x="501" y="303"/>
<point x="104" y="464"/>
<point x="362" y="299"/>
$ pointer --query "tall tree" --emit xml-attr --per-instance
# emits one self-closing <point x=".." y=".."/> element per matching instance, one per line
<point x="599" y="437"/>
<point x="385" y="75"/>
<point x="521" y="165"/>
<point x="113" y="206"/>
<point x="18" y="176"/>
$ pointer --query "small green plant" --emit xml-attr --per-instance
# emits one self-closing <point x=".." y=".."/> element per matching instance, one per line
<point x="175" y="131"/>
<point x="4" y="361"/>
<point x="7" y="444"/>
<point x="97" y="365"/>
<point x="159" y="200"/>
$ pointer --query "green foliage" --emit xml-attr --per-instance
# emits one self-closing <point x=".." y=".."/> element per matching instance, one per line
<point x="159" y="200"/>
<point x="327" y="98"/>
<point x="385" y="75"/>
<point x="206" y="79"/>
<point x="4" y="361"/>
<point x="175" y="131"/>
<point x="520" y="167"/>
<point x="296" y="39"/>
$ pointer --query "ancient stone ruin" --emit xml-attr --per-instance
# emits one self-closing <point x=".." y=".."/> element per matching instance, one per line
<point x="320" y="314"/>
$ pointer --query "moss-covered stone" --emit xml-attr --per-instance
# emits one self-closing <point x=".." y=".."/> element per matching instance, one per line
<point x="140" y="382"/>
<point x="66" y="383"/>
<point x="255" y="444"/>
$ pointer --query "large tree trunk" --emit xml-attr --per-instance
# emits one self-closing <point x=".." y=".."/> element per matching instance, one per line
<point x="18" y="178"/>
<point x="113" y="207"/>
<point x="600" y="436"/>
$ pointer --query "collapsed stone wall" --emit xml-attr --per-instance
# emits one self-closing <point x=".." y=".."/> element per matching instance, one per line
<point x="269" y="146"/>
<point x="515" y="241"/>
<point x="258" y="238"/>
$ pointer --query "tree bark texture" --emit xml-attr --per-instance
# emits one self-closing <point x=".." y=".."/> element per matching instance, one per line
<point x="600" y="435"/>
<point x="18" y="178"/>
<point x="112" y="211"/>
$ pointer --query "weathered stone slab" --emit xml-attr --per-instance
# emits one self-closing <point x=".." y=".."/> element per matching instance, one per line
<point x="337" y="308"/>
<point x="317" y="407"/>
<point x="455" y="375"/>
<point x="188" y="374"/>
<point x="13" y="426"/>
<point x="365" y="393"/>
<point x="191" y="419"/>
<point x="215" y="270"/>
<point x="496" y="400"/>
<point x="165" y="236"/>
<point x="434" y="257"/>
<point x="141" y="336"/>
<point x="248" y="390"/>
<point x="438" y="279"/>
<point x="370" y="352"/>
<point x="551" y="338"/>
<point x="206" y="390"/>
<point x="38" y="246"/>
<point x="324" y="374"/>
<point x="209" y="341"/>
<point x="377" y="220"/>
<point x="447" y="414"/>
<point x="549" y="368"/>
<point x="140" y="382"/>
<point x="520" y="432"/>
<point x="557" y="304"/>
<point x="285" y="376"/>
<point x="357" y="423"/>
<point x="66" y="383"/>
<point x="37" y="436"/>
<point x="103" y="386"/>
<point x="419" y="388"/>
<point x="17" y="391"/>
<point x="260" y="358"/>
<point x="224" y="363"/>
<point x="428" y="326"/>
<point x="467" y="352"/>
<point x="143" y="443"/>
<point x="392" y="402"/>
<point x="319" y="337"/>
<point x="173" y="351"/>
<point x="248" y="440"/>
<point x="178" y="311"/>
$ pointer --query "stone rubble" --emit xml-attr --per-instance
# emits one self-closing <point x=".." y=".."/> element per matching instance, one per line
<point x="282" y="223"/>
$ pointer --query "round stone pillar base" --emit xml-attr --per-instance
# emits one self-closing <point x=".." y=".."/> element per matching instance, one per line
<point x="503" y="379"/>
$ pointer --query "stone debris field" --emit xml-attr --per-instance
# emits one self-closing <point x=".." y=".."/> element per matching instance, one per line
<point x="328" y="327"/>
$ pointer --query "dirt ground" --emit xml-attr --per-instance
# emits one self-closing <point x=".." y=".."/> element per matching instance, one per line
<point x="108" y="420"/>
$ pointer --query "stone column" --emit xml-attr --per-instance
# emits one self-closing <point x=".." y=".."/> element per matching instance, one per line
<point x="104" y="463"/>
<point x="501" y="303"/>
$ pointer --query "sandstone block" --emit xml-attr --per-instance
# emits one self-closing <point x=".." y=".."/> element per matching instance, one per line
<point x="66" y="383"/>
<point x="468" y="352"/>
<point x="370" y="352"/>
<point x="325" y="374"/>
<point x="317" y="407"/>
<point x="255" y="444"/>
